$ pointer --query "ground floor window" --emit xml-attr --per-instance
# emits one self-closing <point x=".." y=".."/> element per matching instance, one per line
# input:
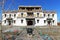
<point x="53" y="21"/>
<point x="21" y="21"/>
<point x="37" y="21"/>
<point x="4" y="21"/>
<point x="44" y="21"/>
<point x="14" y="21"/>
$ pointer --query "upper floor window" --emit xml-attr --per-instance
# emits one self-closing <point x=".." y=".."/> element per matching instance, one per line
<point x="5" y="15"/>
<point x="52" y="15"/>
<point x="21" y="21"/>
<point x="48" y="15"/>
<point x="37" y="14"/>
<point x="44" y="21"/>
<point x="9" y="15"/>
<point x="37" y="21"/>
<point x="44" y="15"/>
<point x="21" y="14"/>
<point x="14" y="15"/>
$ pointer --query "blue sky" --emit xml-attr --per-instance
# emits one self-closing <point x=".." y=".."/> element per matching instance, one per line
<point x="46" y="5"/>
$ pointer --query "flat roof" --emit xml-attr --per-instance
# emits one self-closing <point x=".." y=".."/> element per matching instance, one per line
<point x="15" y="11"/>
<point x="49" y="11"/>
<point x="11" y="11"/>
<point x="29" y="6"/>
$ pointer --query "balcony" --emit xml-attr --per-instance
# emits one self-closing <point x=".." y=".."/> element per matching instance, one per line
<point x="30" y="15"/>
<point x="31" y="10"/>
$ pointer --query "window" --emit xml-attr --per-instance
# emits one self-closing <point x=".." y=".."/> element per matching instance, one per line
<point x="48" y="15"/>
<point x="9" y="15"/>
<point x="53" y="21"/>
<point x="52" y="15"/>
<point x="5" y="15"/>
<point x="21" y="14"/>
<point x="21" y="21"/>
<point x="14" y="21"/>
<point x="37" y="21"/>
<point x="14" y="15"/>
<point x="4" y="21"/>
<point x="37" y="14"/>
<point x="44" y="15"/>
<point x="44" y="21"/>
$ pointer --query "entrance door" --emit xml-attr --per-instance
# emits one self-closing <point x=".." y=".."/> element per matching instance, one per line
<point x="29" y="22"/>
<point x="9" y="22"/>
<point x="49" y="22"/>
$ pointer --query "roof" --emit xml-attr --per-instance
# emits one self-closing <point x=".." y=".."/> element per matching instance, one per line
<point x="28" y="6"/>
<point x="13" y="11"/>
<point x="49" y="11"/>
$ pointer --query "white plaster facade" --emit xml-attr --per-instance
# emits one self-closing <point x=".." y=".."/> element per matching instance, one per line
<point x="34" y="17"/>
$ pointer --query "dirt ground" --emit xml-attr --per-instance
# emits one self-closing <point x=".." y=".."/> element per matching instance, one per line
<point x="52" y="31"/>
<point x="0" y="38"/>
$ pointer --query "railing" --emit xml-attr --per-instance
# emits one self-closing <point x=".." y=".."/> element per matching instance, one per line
<point x="30" y="15"/>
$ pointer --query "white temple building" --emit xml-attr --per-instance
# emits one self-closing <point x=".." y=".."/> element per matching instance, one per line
<point x="28" y="16"/>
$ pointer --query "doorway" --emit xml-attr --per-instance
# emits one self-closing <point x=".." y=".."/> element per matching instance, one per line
<point x="10" y="20"/>
<point x="29" y="22"/>
<point x="49" y="22"/>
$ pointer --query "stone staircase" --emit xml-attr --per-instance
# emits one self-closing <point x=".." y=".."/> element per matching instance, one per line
<point x="24" y="36"/>
<point x="37" y="36"/>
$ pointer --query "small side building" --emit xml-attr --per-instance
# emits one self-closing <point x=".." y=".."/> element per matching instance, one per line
<point x="58" y="23"/>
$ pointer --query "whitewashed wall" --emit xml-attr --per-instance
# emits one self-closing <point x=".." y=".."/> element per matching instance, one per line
<point x="18" y="20"/>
